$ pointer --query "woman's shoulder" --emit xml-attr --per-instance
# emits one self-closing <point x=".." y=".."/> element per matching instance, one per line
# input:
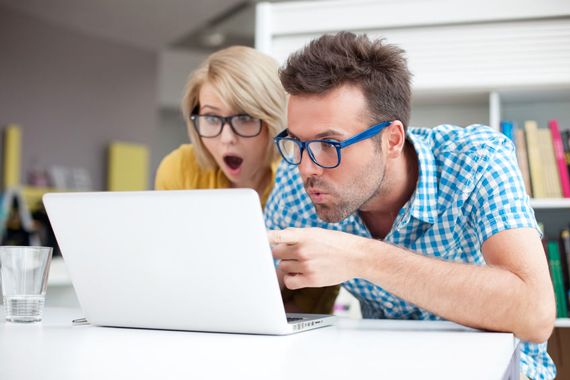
<point x="182" y="153"/>
<point x="183" y="157"/>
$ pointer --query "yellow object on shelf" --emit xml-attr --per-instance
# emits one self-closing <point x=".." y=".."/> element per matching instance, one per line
<point x="12" y="150"/>
<point x="128" y="167"/>
<point x="33" y="195"/>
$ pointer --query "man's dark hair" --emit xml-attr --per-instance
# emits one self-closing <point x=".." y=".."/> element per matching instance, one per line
<point x="333" y="60"/>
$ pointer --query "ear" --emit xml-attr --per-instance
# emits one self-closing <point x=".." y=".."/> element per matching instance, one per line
<point x="394" y="138"/>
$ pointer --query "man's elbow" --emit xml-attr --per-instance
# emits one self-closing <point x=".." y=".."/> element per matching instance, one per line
<point x="538" y="327"/>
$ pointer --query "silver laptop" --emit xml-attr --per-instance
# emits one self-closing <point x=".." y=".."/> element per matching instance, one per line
<point x="183" y="260"/>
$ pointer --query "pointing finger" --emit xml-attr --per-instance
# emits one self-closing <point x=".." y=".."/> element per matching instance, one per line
<point x="294" y="281"/>
<point x="286" y="236"/>
<point x="283" y="252"/>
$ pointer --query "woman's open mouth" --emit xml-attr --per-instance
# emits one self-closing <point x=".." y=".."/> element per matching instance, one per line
<point x="233" y="163"/>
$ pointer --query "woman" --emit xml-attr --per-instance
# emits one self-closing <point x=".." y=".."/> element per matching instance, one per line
<point x="233" y="106"/>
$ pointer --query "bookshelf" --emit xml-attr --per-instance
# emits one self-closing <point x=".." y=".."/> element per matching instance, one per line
<point x="555" y="215"/>
<point x="562" y="322"/>
<point x="551" y="204"/>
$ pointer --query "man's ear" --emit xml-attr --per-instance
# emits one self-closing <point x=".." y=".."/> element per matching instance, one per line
<point x="394" y="138"/>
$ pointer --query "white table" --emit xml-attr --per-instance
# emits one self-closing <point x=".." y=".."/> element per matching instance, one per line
<point x="354" y="349"/>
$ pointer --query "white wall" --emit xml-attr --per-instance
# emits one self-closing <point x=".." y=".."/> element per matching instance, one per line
<point x="459" y="51"/>
<point x="174" y="67"/>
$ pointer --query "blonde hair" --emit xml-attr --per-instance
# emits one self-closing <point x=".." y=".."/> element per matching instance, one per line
<point x="246" y="80"/>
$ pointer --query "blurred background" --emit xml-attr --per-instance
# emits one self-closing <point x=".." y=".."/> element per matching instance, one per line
<point x="77" y="76"/>
<point x="90" y="90"/>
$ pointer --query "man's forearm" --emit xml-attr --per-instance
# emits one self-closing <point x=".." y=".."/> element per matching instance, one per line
<point x="484" y="297"/>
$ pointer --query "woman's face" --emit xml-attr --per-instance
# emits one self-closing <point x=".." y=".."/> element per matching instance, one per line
<point x="242" y="159"/>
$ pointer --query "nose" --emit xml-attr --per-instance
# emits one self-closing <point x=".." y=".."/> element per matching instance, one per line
<point x="308" y="168"/>
<point x="227" y="136"/>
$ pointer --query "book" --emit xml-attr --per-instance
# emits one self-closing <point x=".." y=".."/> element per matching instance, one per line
<point x="566" y="144"/>
<point x="550" y="172"/>
<point x="507" y="128"/>
<point x="564" y="263"/>
<point x="522" y="158"/>
<point x="559" y="157"/>
<point x="557" y="279"/>
<point x="12" y="153"/>
<point x="534" y="160"/>
<point x="565" y="247"/>
<point x="128" y="166"/>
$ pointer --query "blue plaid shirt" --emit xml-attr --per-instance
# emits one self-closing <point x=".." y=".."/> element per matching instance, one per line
<point x="469" y="188"/>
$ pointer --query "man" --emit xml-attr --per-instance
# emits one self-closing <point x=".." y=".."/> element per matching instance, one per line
<point x="417" y="224"/>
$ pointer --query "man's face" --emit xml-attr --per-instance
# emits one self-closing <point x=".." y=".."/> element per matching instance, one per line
<point x="337" y="115"/>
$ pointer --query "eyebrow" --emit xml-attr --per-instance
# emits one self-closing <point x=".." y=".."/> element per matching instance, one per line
<point x="327" y="133"/>
<point x="208" y="106"/>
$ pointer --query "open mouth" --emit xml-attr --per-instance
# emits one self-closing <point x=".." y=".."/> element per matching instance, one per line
<point x="233" y="162"/>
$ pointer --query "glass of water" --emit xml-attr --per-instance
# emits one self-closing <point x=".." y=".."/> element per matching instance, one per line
<point x="24" y="272"/>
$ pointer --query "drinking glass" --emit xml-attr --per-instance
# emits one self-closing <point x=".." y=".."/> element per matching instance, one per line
<point x="24" y="272"/>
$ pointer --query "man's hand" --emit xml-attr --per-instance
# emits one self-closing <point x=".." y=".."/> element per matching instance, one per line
<point x="315" y="257"/>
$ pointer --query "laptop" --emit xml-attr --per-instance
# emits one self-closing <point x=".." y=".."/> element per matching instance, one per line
<point x="194" y="260"/>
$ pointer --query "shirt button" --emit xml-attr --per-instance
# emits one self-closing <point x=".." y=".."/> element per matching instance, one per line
<point x="389" y="305"/>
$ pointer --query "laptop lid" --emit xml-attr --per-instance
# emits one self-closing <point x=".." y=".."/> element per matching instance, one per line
<point x="186" y="260"/>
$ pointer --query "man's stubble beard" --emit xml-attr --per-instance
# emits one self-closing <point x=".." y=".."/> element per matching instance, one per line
<point x="358" y="193"/>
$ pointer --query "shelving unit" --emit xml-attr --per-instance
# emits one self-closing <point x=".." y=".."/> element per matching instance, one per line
<point x="552" y="203"/>
<point x="554" y="214"/>
<point x="562" y="322"/>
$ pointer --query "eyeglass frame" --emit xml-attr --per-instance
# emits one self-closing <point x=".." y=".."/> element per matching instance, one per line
<point x="339" y="145"/>
<point x="225" y="120"/>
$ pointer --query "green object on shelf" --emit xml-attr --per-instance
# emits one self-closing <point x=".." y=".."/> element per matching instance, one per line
<point x="557" y="280"/>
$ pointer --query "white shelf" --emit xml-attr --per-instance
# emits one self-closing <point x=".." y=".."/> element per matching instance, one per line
<point x="546" y="203"/>
<point x="58" y="275"/>
<point x="562" y="322"/>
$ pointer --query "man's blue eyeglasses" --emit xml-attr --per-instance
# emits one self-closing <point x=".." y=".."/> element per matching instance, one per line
<point x="324" y="153"/>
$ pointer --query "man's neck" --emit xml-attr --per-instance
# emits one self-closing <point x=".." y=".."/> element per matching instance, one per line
<point x="380" y="212"/>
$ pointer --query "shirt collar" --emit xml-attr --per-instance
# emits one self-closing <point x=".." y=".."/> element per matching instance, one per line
<point x="423" y="203"/>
